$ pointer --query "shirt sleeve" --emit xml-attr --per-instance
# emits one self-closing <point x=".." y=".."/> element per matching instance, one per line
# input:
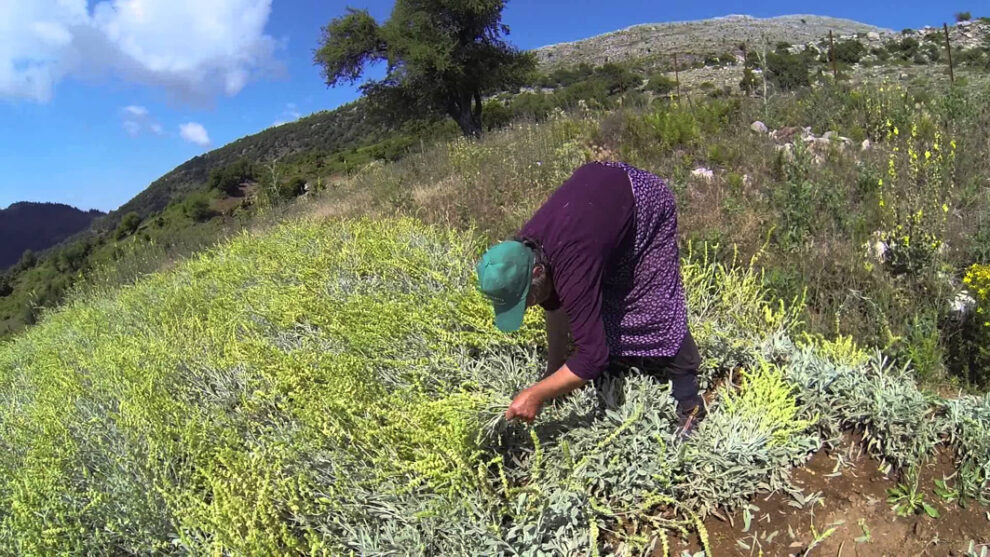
<point x="578" y="284"/>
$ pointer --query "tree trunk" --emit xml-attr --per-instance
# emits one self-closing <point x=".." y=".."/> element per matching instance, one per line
<point x="468" y="117"/>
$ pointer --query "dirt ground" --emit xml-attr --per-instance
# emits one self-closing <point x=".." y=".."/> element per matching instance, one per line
<point x="851" y="517"/>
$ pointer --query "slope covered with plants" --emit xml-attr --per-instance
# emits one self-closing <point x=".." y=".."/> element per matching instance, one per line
<point x="335" y="387"/>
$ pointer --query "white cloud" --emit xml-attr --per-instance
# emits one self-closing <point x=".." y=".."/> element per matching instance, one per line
<point x="194" y="50"/>
<point x="194" y="133"/>
<point x="137" y="119"/>
<point x="290" y="114"/>
<point x="132" y="128"/>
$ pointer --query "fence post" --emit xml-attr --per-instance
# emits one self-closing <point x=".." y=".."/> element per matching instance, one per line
<point x="948" y="50"/>
<point x="831" y="55"/>
<point x="677" y="78"/>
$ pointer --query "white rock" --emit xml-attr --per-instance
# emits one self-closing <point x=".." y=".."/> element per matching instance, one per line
<point x="758" y="127"/>
<point x="963" y="302"/>
<point x="703" y="173"/>
<point x="829" y="135"/>
<point x="877" y="248"/>
<point x="964" y="23"/>
<point x="865" y="145"/>
<point x="873" y="36"/>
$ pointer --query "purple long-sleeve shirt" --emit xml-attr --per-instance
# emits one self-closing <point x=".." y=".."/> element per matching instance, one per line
<point x="609" y="234"/>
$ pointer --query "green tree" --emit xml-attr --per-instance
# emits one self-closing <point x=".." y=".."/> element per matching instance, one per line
<point x="228" y="179"/>
<point x="442" y="56"/>
<point x="963" y="16"/>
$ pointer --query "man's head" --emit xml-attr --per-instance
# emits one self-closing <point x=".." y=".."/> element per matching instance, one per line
<point x="514" y="276"/>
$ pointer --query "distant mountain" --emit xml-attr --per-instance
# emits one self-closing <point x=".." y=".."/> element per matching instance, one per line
<point x="692" y="40"/>
<point x="38" y="226"/>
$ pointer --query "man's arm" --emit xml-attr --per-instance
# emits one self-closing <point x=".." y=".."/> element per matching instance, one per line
<point x="558" y="338"/>
<point x="527" y="404"/>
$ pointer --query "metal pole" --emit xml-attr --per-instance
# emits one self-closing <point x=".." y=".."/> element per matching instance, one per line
<point x="948" y="49"/>
<point x="831" y="54"/>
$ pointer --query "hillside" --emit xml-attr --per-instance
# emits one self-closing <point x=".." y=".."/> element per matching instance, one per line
<point x="693" y="40"/>
<point x="322" y="377"/>
<point x="350" y="126"/>
<point x="38" y="226"/>
<point x="317" y="136"/>
<point x="335" y="387"/>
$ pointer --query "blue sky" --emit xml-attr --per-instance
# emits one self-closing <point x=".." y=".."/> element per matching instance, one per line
<point x="99" y="98"/>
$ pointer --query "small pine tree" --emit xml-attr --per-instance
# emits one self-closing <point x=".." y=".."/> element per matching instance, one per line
<point x="963" y="16"/>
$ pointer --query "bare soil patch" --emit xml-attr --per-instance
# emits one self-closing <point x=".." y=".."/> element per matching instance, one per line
<point x="848" y="501"/>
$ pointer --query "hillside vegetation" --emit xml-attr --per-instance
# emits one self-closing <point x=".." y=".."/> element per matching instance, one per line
<point x="335" y="387"/>
<point x="694" y="40"/>
<point x="248" y="182"/>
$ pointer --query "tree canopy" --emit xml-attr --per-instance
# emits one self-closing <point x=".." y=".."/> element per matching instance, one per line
<point x="441" y="57"/>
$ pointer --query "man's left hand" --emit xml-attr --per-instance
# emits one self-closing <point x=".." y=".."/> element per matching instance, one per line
<point x="526" y="406"/>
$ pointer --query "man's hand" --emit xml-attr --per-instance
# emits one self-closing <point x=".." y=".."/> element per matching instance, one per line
<point x="525" y="406"/>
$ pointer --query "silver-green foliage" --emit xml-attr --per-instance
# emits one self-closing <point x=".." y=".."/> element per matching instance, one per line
<point x="336" y="387"/>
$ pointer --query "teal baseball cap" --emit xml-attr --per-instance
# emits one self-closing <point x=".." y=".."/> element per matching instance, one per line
<point x="504" y="275"/>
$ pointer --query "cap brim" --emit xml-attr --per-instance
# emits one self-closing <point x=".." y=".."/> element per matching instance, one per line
<point x="510" y="318"/>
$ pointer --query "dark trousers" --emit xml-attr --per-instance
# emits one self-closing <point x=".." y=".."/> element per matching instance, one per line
<point x="681" y="369"/>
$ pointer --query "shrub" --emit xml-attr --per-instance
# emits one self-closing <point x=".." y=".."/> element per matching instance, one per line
<point x="906" y="47"/>
<point x="72" y="257"/>
<point x="292" y="188"/>
<point x="496" y="114"/>
<point x="197" y="207"/>
<point x="787" y="71"/>
<point x="531" y="106"/>
<point x="977" y="57"/>
<point x="973" y="356"/>
<point x="661" y="84"/>
<point x="673" y="127"/>
<point x="28" y="260"/>
<point x="749" y="82"/>
<point x="6" y="287"/>
<point x="616" y="79"/>
<point x="963" y="16"/>
<point x="849" y="52"/>
<point x="127" y="226"/>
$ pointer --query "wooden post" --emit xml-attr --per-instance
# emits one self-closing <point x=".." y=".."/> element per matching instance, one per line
<point x="831" y="55"/>
<point x="948" y="50"/>
<point x="677" y="78"/>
